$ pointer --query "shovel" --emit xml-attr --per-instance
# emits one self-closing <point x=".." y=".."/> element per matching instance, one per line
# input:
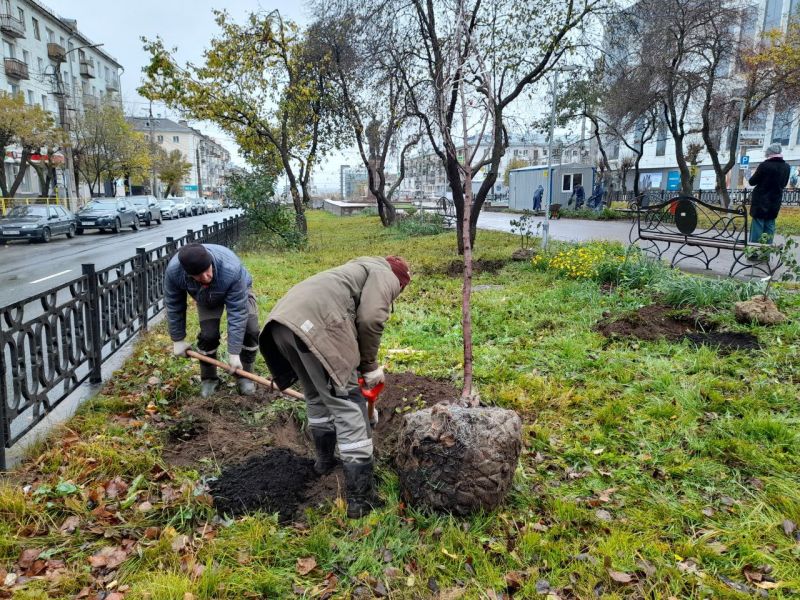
<point x="268" y="383"/>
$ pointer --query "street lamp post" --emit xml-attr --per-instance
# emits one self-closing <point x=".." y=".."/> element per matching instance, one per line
<point x="553" y="108"/>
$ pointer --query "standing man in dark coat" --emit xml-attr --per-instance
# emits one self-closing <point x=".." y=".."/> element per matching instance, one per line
<point x="325" y="332"/>
<point x="537" y="198"/>
<point x="217" y="280"/>
<point x="770" y="178"/>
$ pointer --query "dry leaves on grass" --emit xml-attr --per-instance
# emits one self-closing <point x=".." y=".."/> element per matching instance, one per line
<point x="304" y="566"/>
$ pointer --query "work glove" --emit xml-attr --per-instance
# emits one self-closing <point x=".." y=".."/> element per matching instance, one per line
<point x="234" y="362"/>
<point x="373" y="422"/>
<point x="373" y="378"/>
<point x="180" y="348"/>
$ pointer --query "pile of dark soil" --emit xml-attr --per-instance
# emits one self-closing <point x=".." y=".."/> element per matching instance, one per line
<point x="726" y="341"/>
<point x="455" y="268"/>
<point x="274" y="482"/>
<point x="267" y="465"/>
<point x="652" y="322"/>
<point x="658" y="321"/>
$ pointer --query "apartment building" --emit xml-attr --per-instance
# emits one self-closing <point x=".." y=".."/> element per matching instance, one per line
<point x="658" y="166"/>
<point x="46" y="58"/>
<point x="211" y="162"/>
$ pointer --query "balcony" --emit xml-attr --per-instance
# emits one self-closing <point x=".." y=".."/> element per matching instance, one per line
<point x="112" y="84"/>
<point x="90" y="101"/>
<point x="87" y="69"/>
<point x="16" y="69"/>
<point x="56" y="52"/>
<point x="12" y="26"/>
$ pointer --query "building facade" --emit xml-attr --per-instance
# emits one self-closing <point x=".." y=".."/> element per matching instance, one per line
<point x="48" y="61"/>
<point x="211" y="162"/>
<point x="658" y="166"/>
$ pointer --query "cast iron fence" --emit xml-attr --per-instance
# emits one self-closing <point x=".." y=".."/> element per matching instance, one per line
<point x="738" y="197"/>
<point x="52" y="342"/>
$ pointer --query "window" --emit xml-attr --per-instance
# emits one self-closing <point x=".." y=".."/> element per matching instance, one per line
<point x="36" y="33"/>
<point x="176" y="139"/>
<point x="772" y="14"/>
<point x="70" y="52"/>
<point x="13" y="89"/>
<point x="31" y="101"/>
<point x="661" y="141"/>
<point x="51" y="36"/>
<point x="107" y="74"/>
<point x="44" y="101"/>
<point x="21" y="14"/>
<point x="40" y="65"/>
<point x="160" y="139"/>
<point x="570" y="181"/>
<point x="62" y="41"/>
<point x="8" y="50"/>
<point x="26" y="57"/>
<point x="53" y="212"/>
<point x="782" y="127"/>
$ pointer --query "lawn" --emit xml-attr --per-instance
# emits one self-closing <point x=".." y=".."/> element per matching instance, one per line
<point x="650" y="469"/>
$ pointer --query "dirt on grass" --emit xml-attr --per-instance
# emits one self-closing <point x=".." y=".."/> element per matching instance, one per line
<point x="266" y="463"/>
<point x="658" y="321"/>
<point x="455" y="268"/>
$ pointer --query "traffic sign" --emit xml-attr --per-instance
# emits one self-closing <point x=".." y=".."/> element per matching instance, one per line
<point x="744" y="160"/>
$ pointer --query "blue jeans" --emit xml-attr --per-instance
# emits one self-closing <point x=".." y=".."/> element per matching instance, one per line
<point x="759" y="227"/>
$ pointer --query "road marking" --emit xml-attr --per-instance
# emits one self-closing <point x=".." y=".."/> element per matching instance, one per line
<point x="51" y="276"/>
<point x="146" y="245"/>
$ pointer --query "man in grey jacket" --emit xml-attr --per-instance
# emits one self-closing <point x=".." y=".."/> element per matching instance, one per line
<point x="325" y="332"/>
<point x="215" y="277"/>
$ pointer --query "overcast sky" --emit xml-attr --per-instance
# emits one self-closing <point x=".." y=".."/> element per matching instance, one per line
<point x="186" y="24"/>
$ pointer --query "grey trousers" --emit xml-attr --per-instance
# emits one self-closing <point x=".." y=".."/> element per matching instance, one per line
<point x="210" y="318"/>
<point x="344" y="412"/>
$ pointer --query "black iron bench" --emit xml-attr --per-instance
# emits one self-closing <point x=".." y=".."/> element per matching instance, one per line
<point x="446" y="208"/>
<point x="700" y="231"/>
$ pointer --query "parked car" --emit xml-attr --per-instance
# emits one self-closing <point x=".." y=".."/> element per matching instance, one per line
<point x="146" y="208"/>
<point x="198" y="206"/>
<point x="37" y="222"/>
<point x="182" y="205"/>
<point x="107" y="213"/>
<point x="210" y="205"/>
<point x="168" y="209"/>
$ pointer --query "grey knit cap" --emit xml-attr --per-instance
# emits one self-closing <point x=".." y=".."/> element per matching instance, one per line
<point x="773" y="150"/>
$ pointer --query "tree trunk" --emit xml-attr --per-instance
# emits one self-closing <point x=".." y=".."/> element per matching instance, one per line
<point x="23" y="167"/>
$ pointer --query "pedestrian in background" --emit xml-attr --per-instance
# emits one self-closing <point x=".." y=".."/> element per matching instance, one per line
<point x="770" y="178"/>
<point x="325" y="332"/>
<point x="537" y="198"/>
<point x="215" y="277"/>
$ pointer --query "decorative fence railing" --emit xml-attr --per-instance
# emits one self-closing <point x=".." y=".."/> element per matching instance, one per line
<point x="54" y="341"/>
<point x="738" y="197"/>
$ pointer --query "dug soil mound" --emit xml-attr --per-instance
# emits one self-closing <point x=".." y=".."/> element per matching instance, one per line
<point x="652" y="322"/>
<point x="455" y="268"/>
<point x="262" y="449"/>
<point x="657" y="321"/>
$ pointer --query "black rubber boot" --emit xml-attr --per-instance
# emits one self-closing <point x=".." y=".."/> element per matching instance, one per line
<point x="360" y="488"/>
<point x="324" y="446"/>
<point x="246" y="386"/>
<point x="208" y="379"/>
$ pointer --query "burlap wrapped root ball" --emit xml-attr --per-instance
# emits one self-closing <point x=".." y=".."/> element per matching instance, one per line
<point x="458" y="460"/>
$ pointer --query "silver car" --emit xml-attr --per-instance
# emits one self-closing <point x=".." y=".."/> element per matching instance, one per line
<point x="168" y="209"/>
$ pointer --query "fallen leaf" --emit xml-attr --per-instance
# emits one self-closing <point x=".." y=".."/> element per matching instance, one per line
<point x="752" y="574"/>
<point x="188" y="596"/>
<point x="739" y="587"/>
<point x="110" y="557"/>
<point x="145" y="506"/>
<point x="514" y="581"/>
<point x="28" y="557"/>
<point x="179" y="543"/>
<point x="451" y="594"/>
<point x="718" y="547"/>
<point x="152" y="533"/>
<point x="789" y="527"/>
<point x="603" y="515"/>
<point x="70" y="524"/>
<point x="10" y="579"/>
<point x="387" y="556"/>
<point x="306" y="565"/>
<point x="598" y="451"/>
<point x="647" y="568"/>
<point x="115" y="596"/>
<point x="433" y="585"/>
<point x="619" y="576"/>
<point x="605" y="495"/>
<point x="542" y="587"/>
<point x="392" y="572"/>
<point x="767" y="585"/>
<point x="708" y="511"/>
<point x="448" y="554"/>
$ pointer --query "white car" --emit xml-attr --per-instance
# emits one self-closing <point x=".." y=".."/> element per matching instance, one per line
<point x="182" y="205"/>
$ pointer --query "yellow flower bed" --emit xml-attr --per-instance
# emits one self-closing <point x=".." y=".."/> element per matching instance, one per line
<point x="581" y="262"/>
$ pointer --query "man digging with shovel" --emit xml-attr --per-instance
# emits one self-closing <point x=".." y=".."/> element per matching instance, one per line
<point x="215" y="277"/>
<point x="325" y="332"/>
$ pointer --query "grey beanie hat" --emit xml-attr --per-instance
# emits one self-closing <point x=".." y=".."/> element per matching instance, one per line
<point x="773" y="150"/>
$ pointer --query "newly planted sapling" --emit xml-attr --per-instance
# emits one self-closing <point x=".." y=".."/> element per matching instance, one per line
<point x="525" y="227"/>
<point x="779" y="260"/>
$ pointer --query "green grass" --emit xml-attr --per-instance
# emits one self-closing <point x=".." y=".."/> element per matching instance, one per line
<point x="646" y="451"/>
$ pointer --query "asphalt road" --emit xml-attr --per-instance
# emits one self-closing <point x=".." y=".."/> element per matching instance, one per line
<point x="29" y="268"/>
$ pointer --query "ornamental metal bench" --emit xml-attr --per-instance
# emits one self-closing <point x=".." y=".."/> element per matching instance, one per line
<point x="698" y="230"/>
<point x="446" y="208"/>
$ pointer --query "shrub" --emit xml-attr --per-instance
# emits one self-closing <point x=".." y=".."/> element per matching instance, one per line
<point x="606" y="214"/>
<point x="635" y="272"/>
<point x="419" y="224"/>
<point x="583" y="261"/>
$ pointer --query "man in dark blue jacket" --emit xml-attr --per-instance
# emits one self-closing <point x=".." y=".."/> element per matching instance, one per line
<point x="215" y="277"/>
<point x="770" y="178"/>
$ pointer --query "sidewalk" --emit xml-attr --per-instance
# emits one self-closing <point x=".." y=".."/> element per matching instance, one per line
<point x="579" y="230"/>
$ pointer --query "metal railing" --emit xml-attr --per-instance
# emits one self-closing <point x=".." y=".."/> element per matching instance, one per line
<point x="12" y="26"/>
<point x="738" y="197"/>
<point x="16" y="69"/>
<point x="7" y="204"/>
<point x="54" y="341"/>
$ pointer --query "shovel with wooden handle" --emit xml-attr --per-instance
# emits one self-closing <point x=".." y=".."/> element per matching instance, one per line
<point x="268" y="383"/>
